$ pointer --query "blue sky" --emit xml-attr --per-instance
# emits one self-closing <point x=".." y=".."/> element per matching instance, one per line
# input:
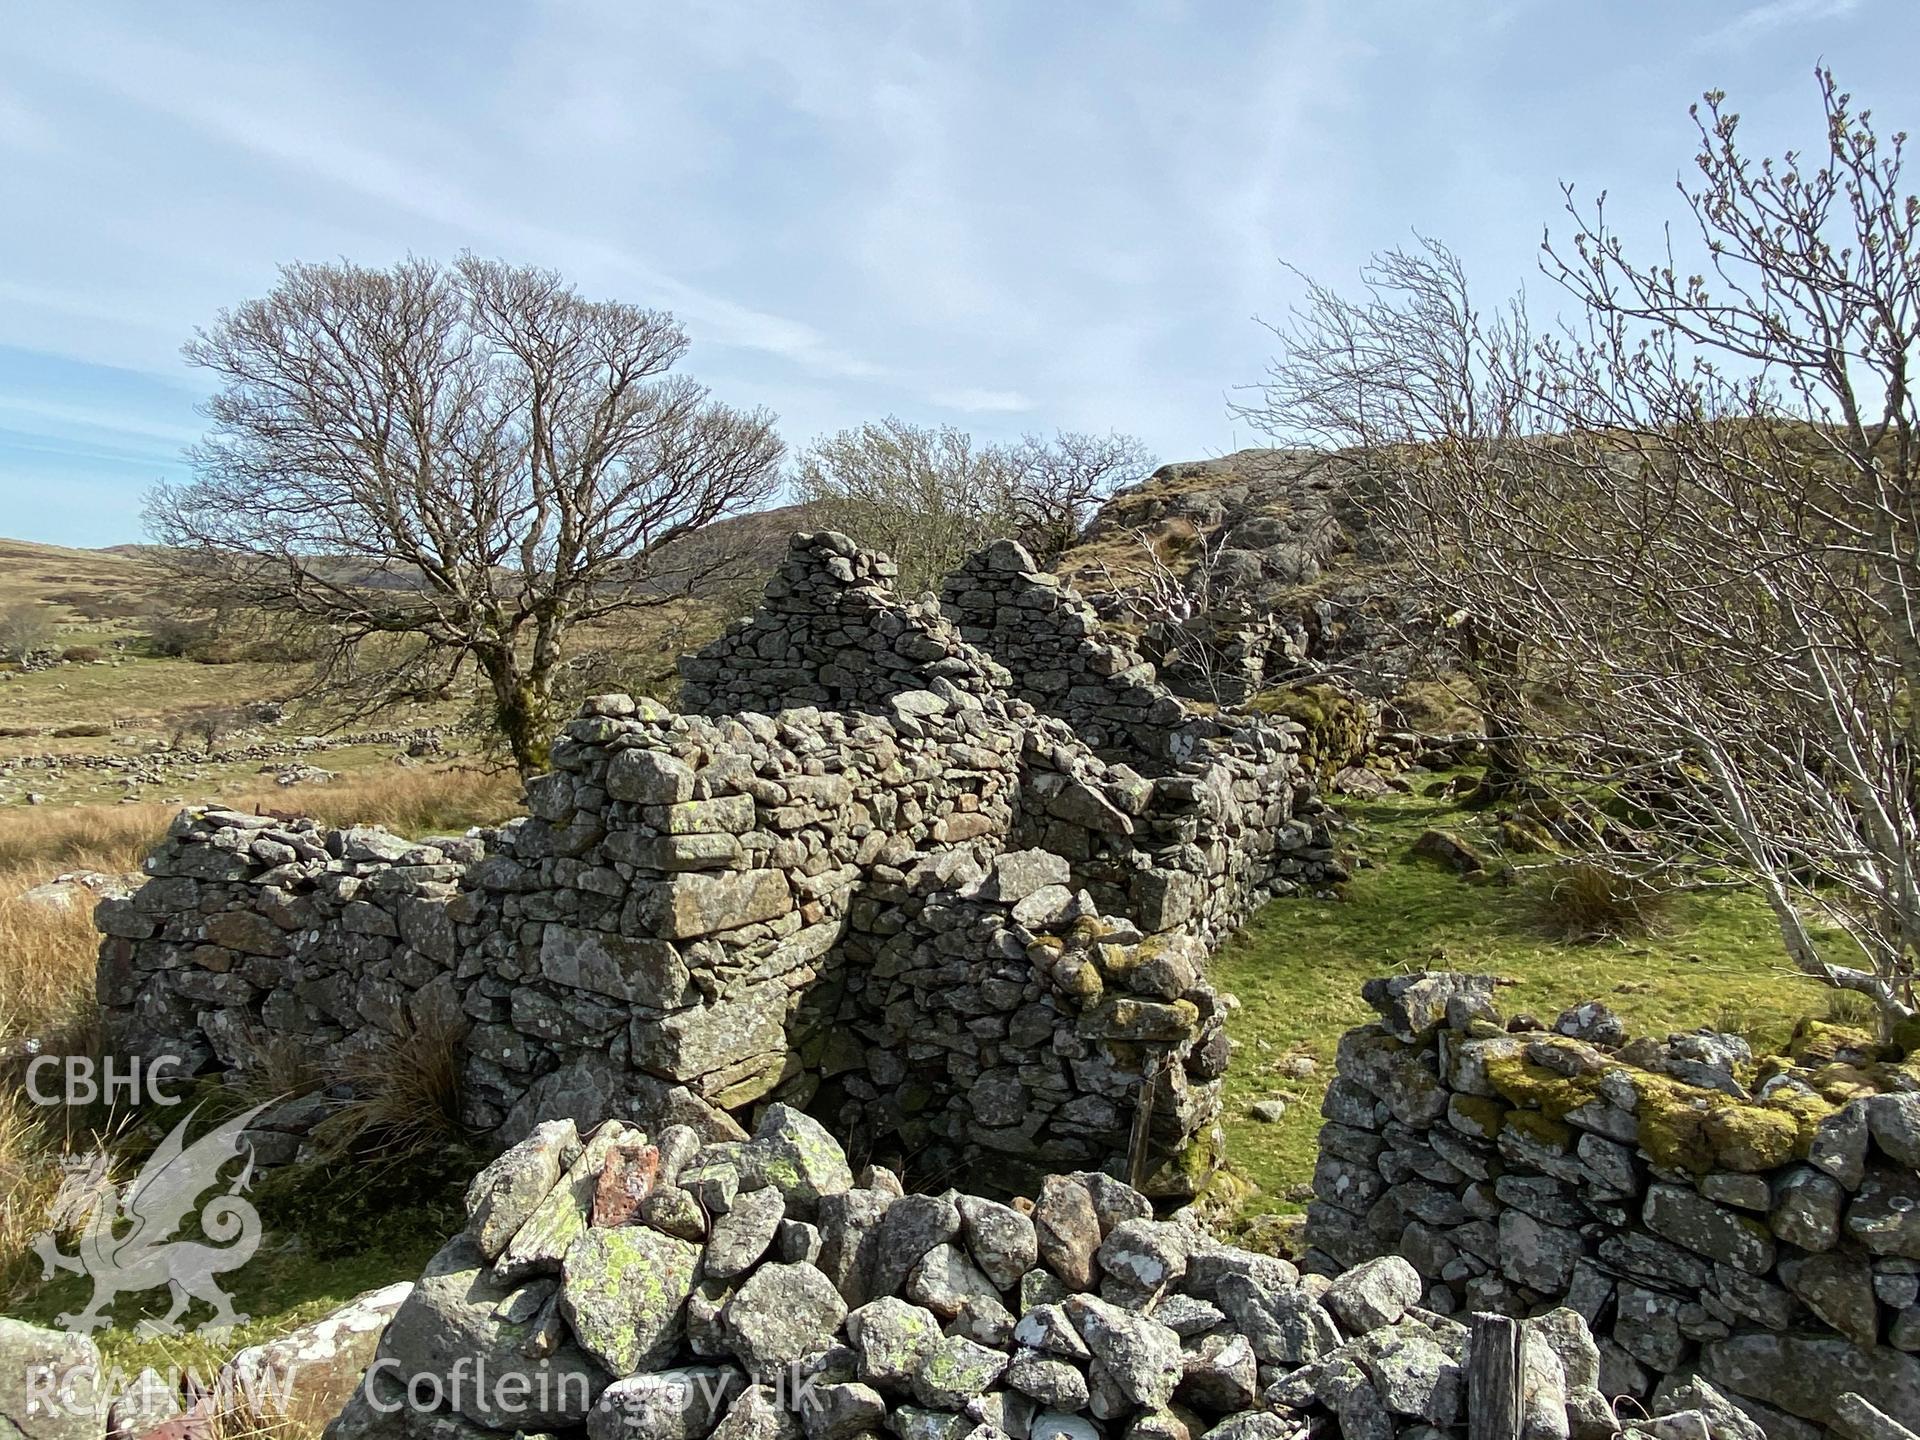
<point x="1005" y="216"/>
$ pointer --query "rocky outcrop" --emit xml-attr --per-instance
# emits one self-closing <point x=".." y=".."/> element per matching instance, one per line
<point x="50" y="1384"/>
<point x="762" y="1290"/>
<point x="931" y="914"/>
<point x="1709" y="1214"/>
<point x="1280" y="572"/>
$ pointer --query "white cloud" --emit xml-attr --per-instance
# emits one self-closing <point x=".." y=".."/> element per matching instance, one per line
<point x="1013" y="215"/>
<point x="271" y="116"/>
<point x="1758" y="20"/>
<point x="983" y="401"/>
<point x="57" y="419"/>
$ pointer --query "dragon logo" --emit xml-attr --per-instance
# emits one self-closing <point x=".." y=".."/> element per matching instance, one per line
<point x="124" y="1242"/>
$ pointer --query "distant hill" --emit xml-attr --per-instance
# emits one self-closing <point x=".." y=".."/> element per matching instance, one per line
<point x="80" y="585"/>
<point x="118" y="581"/>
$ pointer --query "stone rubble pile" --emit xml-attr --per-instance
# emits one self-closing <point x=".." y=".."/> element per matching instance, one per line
<point x="665" y="1289"/>
<point x="1755" y="1222"/>
<point x="158" y="764"/>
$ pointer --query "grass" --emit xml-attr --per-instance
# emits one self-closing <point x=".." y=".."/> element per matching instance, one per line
<point x="1298" y="967"/>
<point x="297" y="1276"/>
<point x="1582" y="902"/>
<point x="406" y="1091"/>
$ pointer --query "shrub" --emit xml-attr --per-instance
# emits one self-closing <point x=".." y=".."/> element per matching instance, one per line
<point x="87" y="729"/>
<point x="24" y="630"/>
<point x="209" y="724"/>
<point x="82" y="654"/>
<point x="172" y="636"/>
<point x="1585" y="901"/>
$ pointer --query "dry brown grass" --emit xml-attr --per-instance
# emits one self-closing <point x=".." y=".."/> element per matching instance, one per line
<point x="1581" y="902"/>
<point x="413" y="802"/>
<point x="46" y="967"/>
<point x="29" y="1179"/>
<point x="44" y="840"/>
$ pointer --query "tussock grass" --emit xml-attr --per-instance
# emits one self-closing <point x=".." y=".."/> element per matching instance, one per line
<point x="274" y="1067"/>
<point x="1850" y="1007"/>
<point x="46" y="967"/>
<point x="406" y="1095"/>
<point x="1582" y="902"/>
<point x="29" y="1180"/>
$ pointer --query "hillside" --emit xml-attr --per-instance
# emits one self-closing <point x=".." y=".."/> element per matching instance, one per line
<point x="117" y="716"/>
<point x="79" y="586"/>
<point x="1255" y="569"/>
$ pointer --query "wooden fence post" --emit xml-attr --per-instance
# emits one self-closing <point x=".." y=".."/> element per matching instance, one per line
<point x="1494" y="1378"/>
<point x="1138" y="1141"/>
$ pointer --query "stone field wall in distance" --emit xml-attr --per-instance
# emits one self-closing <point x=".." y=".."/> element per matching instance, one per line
<point x="1752" y="1221"/>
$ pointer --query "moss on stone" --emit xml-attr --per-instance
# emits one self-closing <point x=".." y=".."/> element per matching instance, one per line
<point x="1751" y="1138"/>
<point x="1817" y="1042"/>
<point x="1190" y="1170"/>
<point x="1079" y="977"/>
<point x="1682" y="1127"/>
<point x="1840" y="1083"/>
<point x="1533" y="1087"/>
<point x="1541" y="1128"/>
<point x="1688" y="1128"/>
<point x="1486" y="1114"/>
<point x="1336" y="725"/>
<point x="1906" y="1035"/>
<point x="1673" y="1132"/>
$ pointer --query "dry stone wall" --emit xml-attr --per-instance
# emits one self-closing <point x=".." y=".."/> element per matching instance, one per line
<point x="928" y="913"/>
<point x="1753" y="1222"/>
<point x="831" y="632"/>
<point x="1065" y="662"/>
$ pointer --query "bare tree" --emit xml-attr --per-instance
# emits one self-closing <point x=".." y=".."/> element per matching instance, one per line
<point x="1057" y="485"/>
<point x="1701" y="525"/>
<point x="930" y="497"/>
<point x="24" y="629"/>
<point x="1416" y="392"/>
<point x="209" y="724"/>
<point x="1759" y="581"/>
<point x="927" y="497"/>
<point x="429" y="466"/>
<point x="1173" y="611"/>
